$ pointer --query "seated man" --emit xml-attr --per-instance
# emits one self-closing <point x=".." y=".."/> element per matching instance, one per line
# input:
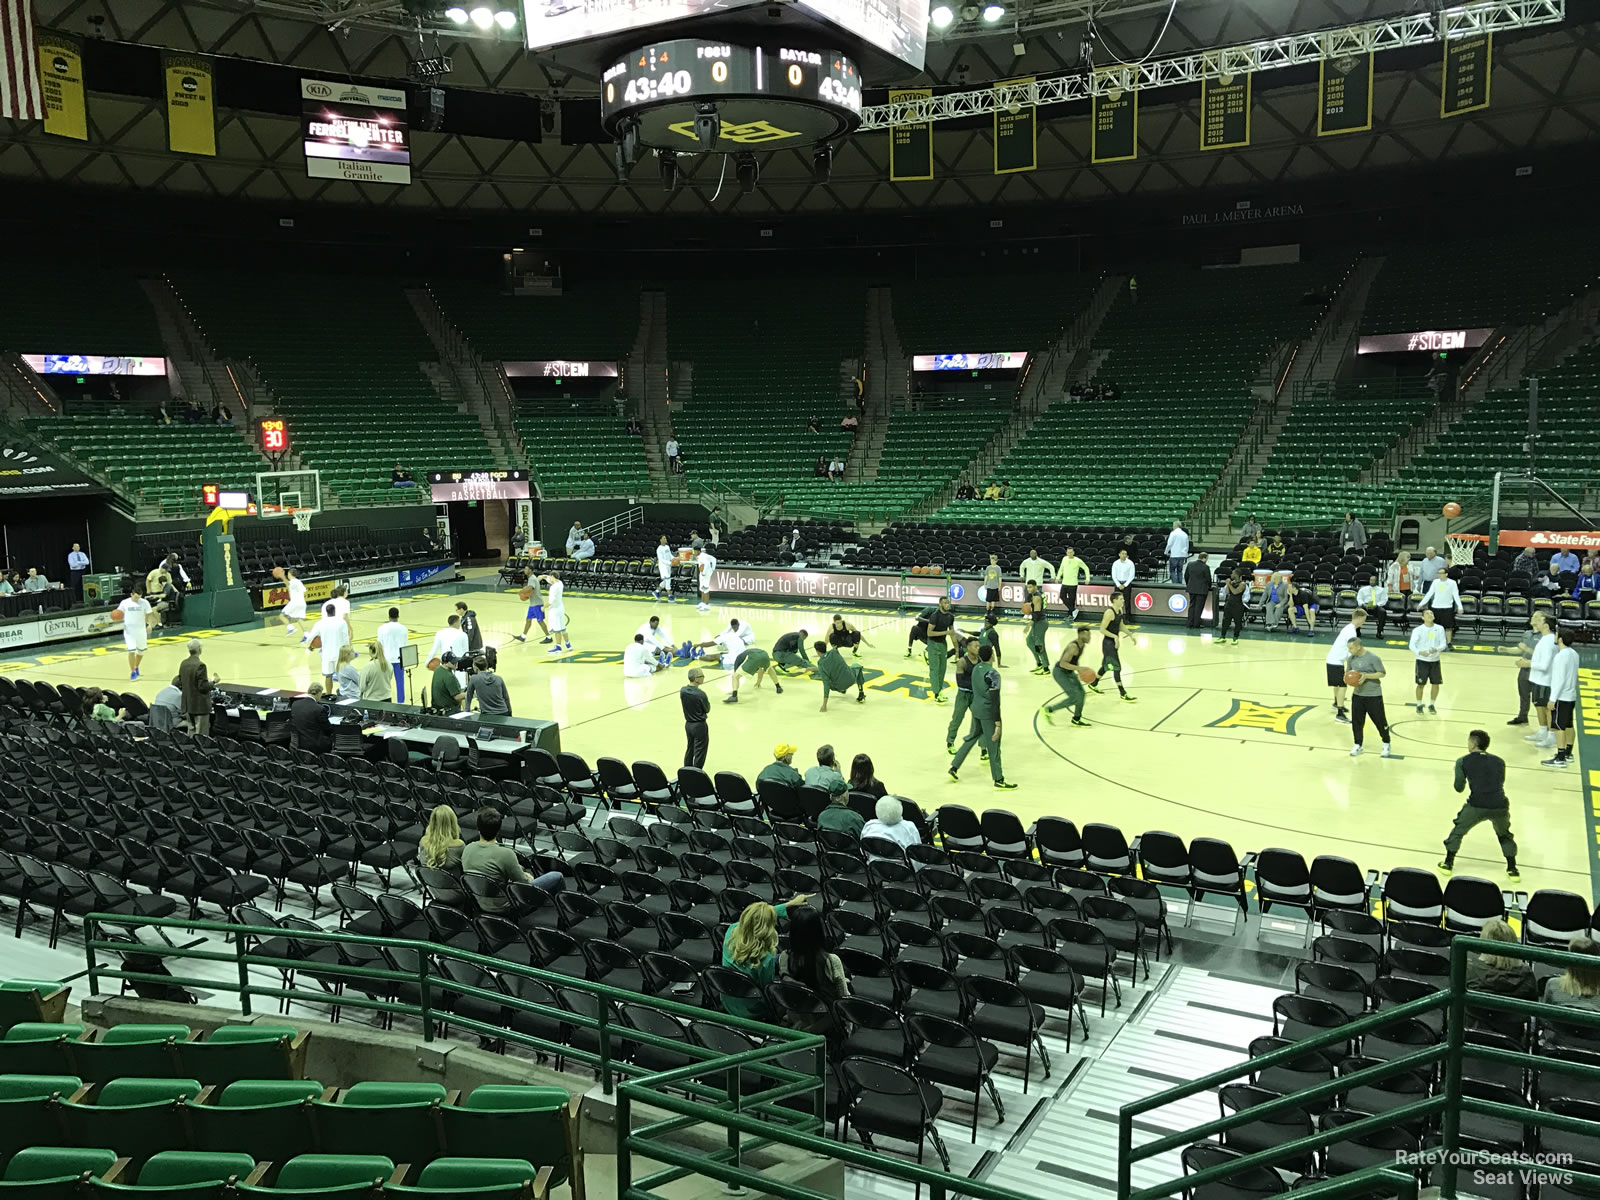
<point x="836" y="469"/>
<point x="487" y="856"/>
<point x="308" y="722"/>
<point x="585" y="548"/>
<point x="1252" y="553"/>
<point x="35" y="582"/>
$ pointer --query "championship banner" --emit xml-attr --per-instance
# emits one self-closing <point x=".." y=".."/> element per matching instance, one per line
<point x="61" y="86"/>
<point x="1344" y="95"/>
<point x="1465" y="86"/>
<point x="1016" y="145"/>
<point x="1115" y="137"/>
<point x="1225" y="112"/>
<point x="910" y="146"/>
<point x="191" y="105"/>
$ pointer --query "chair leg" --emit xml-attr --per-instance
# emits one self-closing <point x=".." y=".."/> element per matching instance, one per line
<point x="994" y="1096"/>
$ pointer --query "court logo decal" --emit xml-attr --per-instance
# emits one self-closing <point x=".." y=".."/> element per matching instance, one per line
<point x="748" y="133"/>
<point x="1248" y="714"/>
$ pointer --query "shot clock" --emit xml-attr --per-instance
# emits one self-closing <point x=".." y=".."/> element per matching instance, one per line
<point x="274" y="435"/>
<point x="763" y="96"/>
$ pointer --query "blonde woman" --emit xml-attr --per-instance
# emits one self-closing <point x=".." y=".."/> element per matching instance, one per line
<point x="751" y="948"/>
<point x="1400" y="581"/>
<point x="1580" y="986"/>
<point x="347" y="679"/>
<point x="441" y="843"/>
<point x="1498" y="973"/>
<point x="377" y="681"/>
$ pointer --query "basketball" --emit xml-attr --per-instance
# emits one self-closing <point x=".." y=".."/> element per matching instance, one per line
<point x="1452" y="509"/>
<point x="316" y="642"/>
<point x="433" y="664"/>
<point x="1351" y="678"/>
<point x="1087" y="674"/>
<point x="525" y="594"/>
<point x="117" y="614"/>
<point x="277" y="573"/>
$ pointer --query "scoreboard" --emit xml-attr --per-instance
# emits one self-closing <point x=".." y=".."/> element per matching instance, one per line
<point x="274" y="435"/>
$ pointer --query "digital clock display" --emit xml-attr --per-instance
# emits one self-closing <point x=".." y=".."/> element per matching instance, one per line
<point x="274" y="433"/>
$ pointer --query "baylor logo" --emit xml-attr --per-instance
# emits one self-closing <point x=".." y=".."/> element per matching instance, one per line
<point x="751" y="133"/>
<point x="1247" y="714"/>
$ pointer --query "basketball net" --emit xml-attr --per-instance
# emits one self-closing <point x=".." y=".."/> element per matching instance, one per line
<point x="1462" y="547"/>
<point x="302" y="520"/>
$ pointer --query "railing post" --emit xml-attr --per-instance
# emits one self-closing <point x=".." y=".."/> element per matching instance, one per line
<point x="244" y="975"/>
<point x="1124" y="1154"/>
<point x="738" y="1100"/>
<point x="1456" y="1035"/>
<point x="624" y="1154"/>
<point x="425" y="997"/>
<point x="90" y="935"/>
<point x="608" y="1081"/>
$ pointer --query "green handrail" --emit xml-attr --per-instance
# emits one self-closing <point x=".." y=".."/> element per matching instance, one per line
<point x="1448" y="1101"/>
<point x="428" y="983"/>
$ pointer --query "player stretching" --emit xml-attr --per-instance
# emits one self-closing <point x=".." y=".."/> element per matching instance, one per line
<point x="535" y="598"/>
<point x="651" y="635"/>
<point x="556" y="612"/>
<point x="707" y="565"/>
<point x="1428" y="641"/>
<point x="753" y="661"/>
<point x="838" y="675"/>
<point x="1038" y="625"/>
<point x="789" y="653"/>
<point x="1110" y="658"/>
<point x="294" y="609"/>
<point x="841" y="634"/>
<point x="1067" y="677"/>
<point x="965" y="662"/>
<point x="664" y="570"/>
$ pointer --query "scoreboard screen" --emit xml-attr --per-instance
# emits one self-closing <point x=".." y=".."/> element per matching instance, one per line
<point x="213" y="495"/>
<point x="274" y="433"/>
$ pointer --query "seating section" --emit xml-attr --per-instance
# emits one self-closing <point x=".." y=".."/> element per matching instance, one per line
<point x="353" y="393"/>
<point x="760" y="370"/>
<point x="965" y="549"/>
<point x="582" y="450"/>
<point x="596" y="320"/>
<point x="922" y="452"/>
<point x="160" y="465"/>
<point x="51" y="306"/>
<point x="1332" y="436"/>
<point x="987" y="307"/>
<point x="1508" y="278"/>
<point x="1184" y="357"/>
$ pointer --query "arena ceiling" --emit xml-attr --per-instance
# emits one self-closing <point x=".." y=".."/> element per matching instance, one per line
<point x="1546" y="93"/>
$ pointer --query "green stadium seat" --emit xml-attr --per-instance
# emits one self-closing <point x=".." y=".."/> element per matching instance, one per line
<point x="398" y="1119"/>
<point x="235" y="1052"/>
<point x="43" y="1031"/>
<point x="478" y="1179"/>
<point x="269" y="1119"/>
<point x="186" y="1175"/>
<point x="54" y="1172"/>
<point x="308" y="1175"/>
<point x="24" y="1001"/>
<point x="498" y="1116"/>
<point x="136" y="1117"/>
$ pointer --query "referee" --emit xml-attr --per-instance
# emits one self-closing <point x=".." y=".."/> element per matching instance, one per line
<point x="1483" y="777"/>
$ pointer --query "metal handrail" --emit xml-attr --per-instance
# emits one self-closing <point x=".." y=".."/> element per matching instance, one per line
<point x="1448" y="1101"/>
<point x="430" y="985"/>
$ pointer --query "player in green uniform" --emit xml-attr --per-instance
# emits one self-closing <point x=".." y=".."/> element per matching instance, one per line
<point x="1038" y="625"/>
<point x="1111" y="632"/>
<point x="789" y="652"/>
<point x="752" y="662"/>
<point x="838" y="675"/>
<point x="967" y="659"/>
<point x="1065" y="673"/>
<point x="985" y="729"/>
<point x="939" y="620"/>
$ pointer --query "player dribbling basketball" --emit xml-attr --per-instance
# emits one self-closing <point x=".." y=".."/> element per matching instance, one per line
<point x="294" y="608"/>
<point x="1065" y="673"/>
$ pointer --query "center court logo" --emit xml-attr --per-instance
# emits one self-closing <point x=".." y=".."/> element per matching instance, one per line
<point x="1248" y="714"/>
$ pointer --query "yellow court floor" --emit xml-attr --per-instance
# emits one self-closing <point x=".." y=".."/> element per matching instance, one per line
<point x="1237" y="742"/>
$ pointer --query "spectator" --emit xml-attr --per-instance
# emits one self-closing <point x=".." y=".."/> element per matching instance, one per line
<point x="1252" y="554"/>
<point x="99" y="710"/>
<point x="488" y="689"/>
<point x="820" y="467"/>
<point x="1354" y="534"/>
<point x="1252" y="529"/>
<point x="1429" y="568"/>
<point x="862" y="778"/>
<point x="992" y="492"/>
<point x="487" y="856"/>
<point x="1277" y="599"/>
<point x="584" y="548"/>
<point x="1588" y="580"/>
<point x="1550" y="582"/>
<point x="750" y="947"/>
<point x="1177" y="553"/>
<point x="836" y="469"/>
<point x="839" y="817"/>
<point x="402" y="477"/>
<point x="6" y="586"/>
<point x="1579" y="987"/>
<point x="77" y="564"/>
<point x="441" y="844"/>
<point x="674" y="455"/>
<point x="1275" y="547"/>
<point x="809" y="962"/>
<point x="377" y="681"/>
<point x="308" y="722"/>
<point x="166" y="709"/>
<point x="1497" y="973"/>
<point x="574" y="536"/>
<point x="35" y="582"/>
<point x="1400" y="580"/>
<point x="965" y="490"/>
<point x="169" y="602"/>
<point x="1527" y="562"/>
<point x="812" y="425"/>
<point x="162" y="418"/>
<point x="781" y="768"/>
<point x="889" y="822"/>
<point x="347" y="679"/>
<point x="1005" y="489"/>
<point x="850" y="423"/>
<point x="826" y="774"/>
<point x="1374" y="597"/>
<point x="445" y="690"/>
<point x="195" y="684"/>
<point x="1564" y="561"/>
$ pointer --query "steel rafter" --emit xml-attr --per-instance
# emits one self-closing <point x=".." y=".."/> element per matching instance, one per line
<point x="1393" y="33"/>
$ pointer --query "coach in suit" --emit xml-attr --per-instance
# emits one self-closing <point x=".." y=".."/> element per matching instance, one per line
<point x="308" y="722"/>
<point x="1197" y="583"/>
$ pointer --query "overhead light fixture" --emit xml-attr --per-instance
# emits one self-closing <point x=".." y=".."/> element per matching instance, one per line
<point x="969" y="12"/>
<point x="746" y="171"/>
<point x="942" y="16"/>
<point x="667" y="161"/>
<point x="483" y="18"/>
<point x="506" y="19"/>
<point x="457" y="15"/>
<point x="993" y="12"/>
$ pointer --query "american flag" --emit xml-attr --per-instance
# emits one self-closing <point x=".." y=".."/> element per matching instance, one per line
<point x="19" y="63"/>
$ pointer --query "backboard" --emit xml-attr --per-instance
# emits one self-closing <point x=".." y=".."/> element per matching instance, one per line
<point x="293" y="495"/>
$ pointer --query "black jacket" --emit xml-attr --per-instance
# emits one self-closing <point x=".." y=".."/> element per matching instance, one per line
<point x="1197" y="578"/>
<point x="308" y="721"/>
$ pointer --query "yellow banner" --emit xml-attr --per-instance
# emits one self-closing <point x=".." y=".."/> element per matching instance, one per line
<point x="191" y="107"/>
<point x="61" y="86"/>
<point x="1015" y="135"/>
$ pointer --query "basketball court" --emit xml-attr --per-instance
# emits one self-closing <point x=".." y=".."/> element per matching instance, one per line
<point x="1237" y="742"/>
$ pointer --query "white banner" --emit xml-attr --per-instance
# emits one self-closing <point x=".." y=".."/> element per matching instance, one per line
<point x="31" y="631"/>
<point x="1003" y="360"/>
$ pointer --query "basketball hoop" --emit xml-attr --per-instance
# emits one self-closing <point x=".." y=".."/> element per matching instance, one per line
<point x="302" y="519"/>
<point x="1462" y="547"/>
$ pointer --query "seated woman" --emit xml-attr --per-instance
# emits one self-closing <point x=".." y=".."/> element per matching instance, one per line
<point x="889" y="822"/>
<point x="862" y="778"/>
<point x="751" y="948"/>
<point x="1252" y="553"/>
<point x="1579" y="987"/>
<point x="809" y="961"/>
<point x="1497" y="973"/>
<point x="441" y="843"/>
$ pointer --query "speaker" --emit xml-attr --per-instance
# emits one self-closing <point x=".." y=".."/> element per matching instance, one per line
<point x="427" y="109"/>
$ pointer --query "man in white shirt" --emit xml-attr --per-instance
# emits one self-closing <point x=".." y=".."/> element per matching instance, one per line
<point x="391" y="637"/>
<point x="1177" y="553"/>
<point x="35" y="582"/>
<point x="294" y="608"/>
<point x="746" y="632"/>
<point x="656" y="639"/>
<point x="555" y="611"/>
<point x="1338" y="655"/>
<point x="1539" y="681"/>
<point x="449" y="640"/>
<point x="663" y="570"/>
<point x="1428" y="641"/>
<point x="135" y="627"/>
<point x="340" y="598"/>
<point x="574" y="536"/>
<point x="672" y="455"/>
<point x="1430" y="567"/>
<point x="585" y="548"/>
<point x="329" y="636"/>
<point x="1444" y="597"/>
<point x="1373" y="597"/>
<point x="1122" y="574"/>
<point x="707" y="565"/>
<point x="1035" y="569"/>
<point x="1563" y="698"/>
<point x="640" y="660"/>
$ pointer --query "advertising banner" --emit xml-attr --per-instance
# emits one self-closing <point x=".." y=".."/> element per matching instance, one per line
<point x="191" y="107"/>
<point x="1549" y="539"/>
<point x="27" y="471"/>
<point x="478" y="485"/>
<point x="563" y="368"/>
<point x="319" y="591"/>
<point x="412" y="576"/>
<point x="1004" y="360"/>
<point x="1423" y="339"/>
<point x="94" y="364"/>
<point x="354" y="132"/>
<point x="34" y="631"/>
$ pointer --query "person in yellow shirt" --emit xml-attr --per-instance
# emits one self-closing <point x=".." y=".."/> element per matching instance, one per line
<point x="1072" y="571"/>
<point x="1252" y="553"/>
<point x="1275" y="546"/>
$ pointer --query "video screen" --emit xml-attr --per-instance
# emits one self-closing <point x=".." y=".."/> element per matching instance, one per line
<point x="94" y="364"/>
<point x="354" y="132"/>
<point x="897" y="27"/>
<point x="558" y="22"/>
<point x="478" y="485"/>
<point x="1005" y="360"/>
